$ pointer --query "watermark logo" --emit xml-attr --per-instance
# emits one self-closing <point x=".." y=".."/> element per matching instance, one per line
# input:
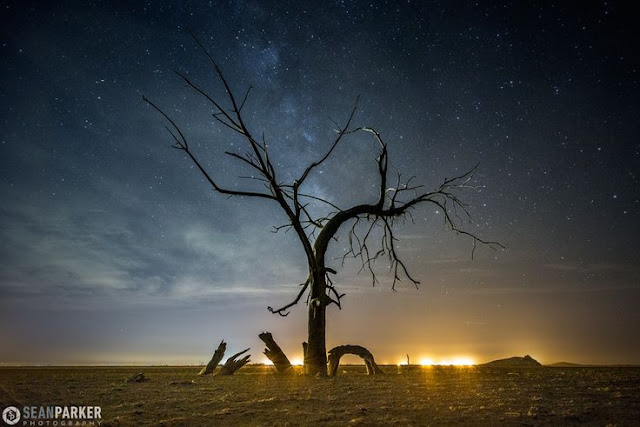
<point x="53" y="416"/>
<point x="11" y="415"/>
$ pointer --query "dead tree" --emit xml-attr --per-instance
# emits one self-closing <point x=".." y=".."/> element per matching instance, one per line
<point x="215" y="359"/>
<point x="233" y="363"/>
<point x="337" y="352"/>
<point x="316" y="220"/>
<point x="275" y="354"/>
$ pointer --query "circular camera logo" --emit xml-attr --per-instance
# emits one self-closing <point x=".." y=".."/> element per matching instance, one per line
<point x="11" y="415"/>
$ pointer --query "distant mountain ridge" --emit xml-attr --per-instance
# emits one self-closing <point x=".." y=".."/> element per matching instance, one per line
<point x="514" y="362"/>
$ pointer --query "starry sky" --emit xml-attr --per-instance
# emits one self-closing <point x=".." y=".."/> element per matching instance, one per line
<point x="114" y="249"/>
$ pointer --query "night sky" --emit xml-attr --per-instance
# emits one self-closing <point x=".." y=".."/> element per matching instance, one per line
<point x="114" y="249"/>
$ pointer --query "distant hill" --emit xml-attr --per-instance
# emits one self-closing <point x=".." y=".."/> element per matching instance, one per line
<point x="514" y="362"/>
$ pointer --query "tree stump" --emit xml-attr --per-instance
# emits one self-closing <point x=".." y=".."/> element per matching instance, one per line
<point x="215" y="359"/>
<point x="337" y="352"/>
<point x="275" y="354"/>
<point x="232" y="365"/>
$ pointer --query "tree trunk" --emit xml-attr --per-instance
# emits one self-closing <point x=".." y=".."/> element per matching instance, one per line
<point x="275" y="354"/>
<point x="315" y="358"/>
<point x="215" y="359"/>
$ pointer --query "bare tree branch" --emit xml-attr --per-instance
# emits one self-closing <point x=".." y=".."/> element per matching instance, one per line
<point x="246" y="95"/>
<point x="282" y="311"/>
<point x="182" y="145"/>
<point x="230" y="123"/>
<point x="389" y="207"/>
<point x="342" y="131"/>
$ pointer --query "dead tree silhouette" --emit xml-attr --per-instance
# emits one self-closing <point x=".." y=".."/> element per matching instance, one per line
<point x="231" y="365"/>
<point x="364" y="223"/>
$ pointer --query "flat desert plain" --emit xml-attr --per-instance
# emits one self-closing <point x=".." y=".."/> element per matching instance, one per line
<point x="403" y="396"/>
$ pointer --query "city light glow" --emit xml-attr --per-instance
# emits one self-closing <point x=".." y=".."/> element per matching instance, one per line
<point x="427" y="361"/>
<point x="297" y="361"/>
<point x="458" y="361"/>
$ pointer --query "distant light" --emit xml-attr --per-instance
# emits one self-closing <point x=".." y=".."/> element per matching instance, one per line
<point x="426" y="362"/>
<point x="459" y="361"/>
<point x="267" y="362"/>
<point x="297" y="362"/>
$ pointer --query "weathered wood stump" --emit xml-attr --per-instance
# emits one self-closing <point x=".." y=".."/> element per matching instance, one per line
<point x="215" y="359"/>
<point x="233" y="364"/>
<point x="275" y="354"/>
<point x="337" y="352"/>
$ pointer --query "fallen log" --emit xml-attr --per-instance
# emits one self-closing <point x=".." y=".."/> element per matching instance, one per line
<point x="215" y="359"/>
<point x="232" y="365"/>
<point x="275" y="354"/>
<point x="337" y="352"/>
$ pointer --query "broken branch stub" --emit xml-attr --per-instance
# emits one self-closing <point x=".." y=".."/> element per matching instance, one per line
<point x="233" y="364"/>
<point x="275" y="354"/>
<point x="215" y="359"/>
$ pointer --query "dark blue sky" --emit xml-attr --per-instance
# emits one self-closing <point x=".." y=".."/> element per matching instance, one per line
<point x="114" y="249"/>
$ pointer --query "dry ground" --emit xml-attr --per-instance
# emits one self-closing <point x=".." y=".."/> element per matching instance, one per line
<point x="254" y="396"/>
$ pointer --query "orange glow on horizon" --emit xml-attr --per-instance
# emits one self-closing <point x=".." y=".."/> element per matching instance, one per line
<point x="426" y="361"/>
<point x="297" y="361"/>
<point x="457" y="361"/>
